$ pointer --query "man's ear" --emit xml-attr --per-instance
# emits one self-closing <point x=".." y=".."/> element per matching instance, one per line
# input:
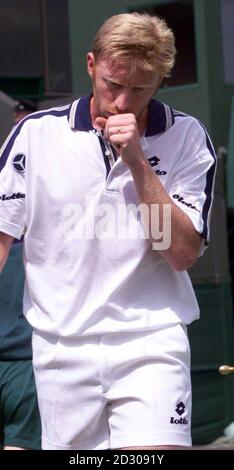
<point x="90" y="64"/>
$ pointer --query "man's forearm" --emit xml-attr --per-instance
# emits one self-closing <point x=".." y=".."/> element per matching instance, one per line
<point x="185" y="241"/>
<point x="5" y="245"/>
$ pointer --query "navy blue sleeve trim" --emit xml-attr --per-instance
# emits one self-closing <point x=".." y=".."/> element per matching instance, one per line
<point x="208" y="189"/>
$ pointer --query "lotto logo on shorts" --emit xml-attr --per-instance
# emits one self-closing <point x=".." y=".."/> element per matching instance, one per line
<point x="178" y="421"/>
<point x="180" y="409"/>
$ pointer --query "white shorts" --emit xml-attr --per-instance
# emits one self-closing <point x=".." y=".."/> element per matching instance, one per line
<point x="114" y="390"/>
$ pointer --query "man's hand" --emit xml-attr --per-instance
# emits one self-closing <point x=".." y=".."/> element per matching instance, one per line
<point x="5" y="245"/>
<point x="121" y="131"/>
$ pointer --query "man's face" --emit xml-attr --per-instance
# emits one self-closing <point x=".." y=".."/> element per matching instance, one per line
<point x="115" y="91"/>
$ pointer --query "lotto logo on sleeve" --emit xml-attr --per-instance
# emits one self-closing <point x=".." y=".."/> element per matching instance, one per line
<point x="18" y="162"/>
<point x="8" y="197"/>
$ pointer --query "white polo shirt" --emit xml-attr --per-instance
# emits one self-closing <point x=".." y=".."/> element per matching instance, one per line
<point x="59" y="187"/>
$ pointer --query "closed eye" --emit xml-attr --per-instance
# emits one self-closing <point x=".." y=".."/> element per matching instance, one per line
<point x="113" y="85"/>
<point x="139" y="89"/>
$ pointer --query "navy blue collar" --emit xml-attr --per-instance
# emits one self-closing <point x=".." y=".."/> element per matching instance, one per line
<point x="160" y="117"/>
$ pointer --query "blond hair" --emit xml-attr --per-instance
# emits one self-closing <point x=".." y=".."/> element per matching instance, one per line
<point x="139" y="40"/>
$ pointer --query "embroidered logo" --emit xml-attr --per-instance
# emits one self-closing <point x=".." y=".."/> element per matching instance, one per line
<point x="18" y="162"/>
<point x="5" y="197"/>
<point x="182" y="201"/>
<point x="155" y="161"/>
<point x="180" y="409"/>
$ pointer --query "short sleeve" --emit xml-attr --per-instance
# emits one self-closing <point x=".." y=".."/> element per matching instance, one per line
<point x="12" y="184"/>
<point x="192" y="185"/>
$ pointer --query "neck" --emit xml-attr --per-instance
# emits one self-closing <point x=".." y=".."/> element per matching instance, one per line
<point x="142" y="122"/>
<point x="93" y="111"/>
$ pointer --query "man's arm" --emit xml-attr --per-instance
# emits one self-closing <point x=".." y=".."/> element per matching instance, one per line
<point x="5" y="245"/>
<point x="185" y="240"/>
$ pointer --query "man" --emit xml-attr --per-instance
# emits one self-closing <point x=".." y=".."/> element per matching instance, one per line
<point x="19" y="415"/>
<point x="115" y="202"/>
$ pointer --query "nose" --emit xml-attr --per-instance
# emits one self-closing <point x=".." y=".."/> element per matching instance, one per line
<point x="123" y="102"/>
